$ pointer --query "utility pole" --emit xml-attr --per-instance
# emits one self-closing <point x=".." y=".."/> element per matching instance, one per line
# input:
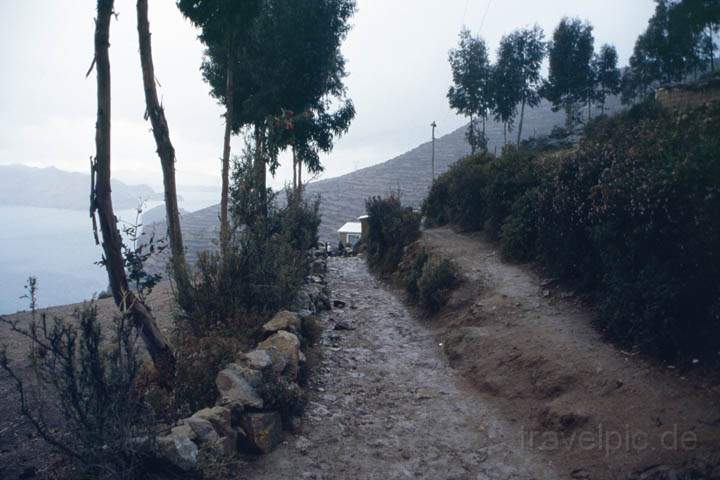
<point x="433" y="125"/>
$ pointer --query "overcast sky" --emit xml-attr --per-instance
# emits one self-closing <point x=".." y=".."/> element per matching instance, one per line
<point x="399" y="75"/>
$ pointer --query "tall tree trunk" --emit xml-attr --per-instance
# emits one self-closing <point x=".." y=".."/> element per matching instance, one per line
<point x="522" y="117"/>
<point x="483" y="132"/>
<point x="568" y="116"/>
<point x="101" y="202"/>
<point x="229" y="99"/>
<point x="473" y="140"/>
<point x="504" y="133"/>
<point x="294" y="160"/>
<point x="260" y="169"/>
<point x="589" y="105"/>
<point x="166" y="152"/>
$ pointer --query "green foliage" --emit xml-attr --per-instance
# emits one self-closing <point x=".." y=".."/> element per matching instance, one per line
<point x="679" y="38"/>
<point x="410" y="270"/>
<point x="455" y="197"/>
<point x="520" y="57"/>
<point x="427" y="278"/>
<point x="265" y="265"/>
<point x="570" y="79"/>
<point x="87" y="381"/>
<point x="606" y="74"/>
<point x="630" y="214"/>
<point x="471" y="93"/>
<point x="439" y="277"/>
<point x="519" y="231"/>
<point x="392" y="227"/>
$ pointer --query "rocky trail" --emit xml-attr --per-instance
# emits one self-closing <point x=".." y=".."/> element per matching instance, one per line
<point x="386" y="405"/>
<point x="510" y="381"/>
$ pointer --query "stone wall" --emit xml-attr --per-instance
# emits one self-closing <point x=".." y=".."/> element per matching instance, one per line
<point x="246" y="416"/>
<point x="685" y="97"/>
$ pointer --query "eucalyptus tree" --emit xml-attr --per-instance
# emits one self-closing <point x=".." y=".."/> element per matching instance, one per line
<point x="224" y="26"/>
<point x="506" y="85"/>
<point x="289" y="74"/>
<point x="471" y="92"/>
<point x="165" y="150"/>
<point x="101" y="204"/>
<point x="528" y="51"/>
<point x="606" y="74"/>
<point x="570" y="79"/>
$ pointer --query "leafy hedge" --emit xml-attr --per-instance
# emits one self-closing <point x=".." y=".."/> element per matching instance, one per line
<point x="632" y="214"/>
<point x="391" y="227"/>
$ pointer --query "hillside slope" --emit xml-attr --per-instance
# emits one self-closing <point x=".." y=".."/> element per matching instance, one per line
<point x="50" y="187"/>
<point x="343" y="197"/>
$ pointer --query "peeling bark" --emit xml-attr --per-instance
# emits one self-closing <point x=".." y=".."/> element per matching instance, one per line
<point x="166" y="152"/>
<point x="101" y="202"/>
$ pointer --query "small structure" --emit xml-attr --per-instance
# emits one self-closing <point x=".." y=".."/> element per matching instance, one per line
<point x="363" y="219"/>
<point x="350" y="233"/>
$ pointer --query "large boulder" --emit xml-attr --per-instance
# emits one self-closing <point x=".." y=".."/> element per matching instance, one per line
<point x="220" y="418"/>
<point x="258" y="359"/>
<point x="286" y="347"/>
<point x="282" y="320"/>
<point x="263" y="430"/>
<point x="236" y="387"/>
<point x="203" y="429"/>
<point x="179" y="450"/>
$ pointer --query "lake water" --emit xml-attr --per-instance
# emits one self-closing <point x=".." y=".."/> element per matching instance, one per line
<point x="58" y="248"/>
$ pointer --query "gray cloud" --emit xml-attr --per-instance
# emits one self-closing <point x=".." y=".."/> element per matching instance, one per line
<point x="397" y="55"/>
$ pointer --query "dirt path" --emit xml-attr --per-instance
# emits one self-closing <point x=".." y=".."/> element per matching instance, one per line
<point x="385" y="404"/>
<point x="596" y="411"/>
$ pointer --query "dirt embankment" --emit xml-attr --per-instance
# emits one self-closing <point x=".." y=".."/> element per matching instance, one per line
<point x="595" y="411"/>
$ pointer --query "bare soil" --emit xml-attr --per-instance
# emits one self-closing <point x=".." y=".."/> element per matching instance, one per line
<point x="23" y="455"/>
<point x="385" y="404"/>
<point x="593" y="410"/>
<point x="509" y="381"/>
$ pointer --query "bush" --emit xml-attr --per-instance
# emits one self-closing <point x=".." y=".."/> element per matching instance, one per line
<point x="439" y="277"/>
<point x="519" y="232"/>
<point x="261" y="272"/>
<point x="457" y="197"/>
<point x="410" y="269"/>
<point x="83" y="401"/>
<point x="630" y="214"/>
<point x="391" y="227"/>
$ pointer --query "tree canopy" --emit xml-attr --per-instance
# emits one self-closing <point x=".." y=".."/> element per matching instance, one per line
<point x="570" y="78"/>
<point x="471" y="92"/>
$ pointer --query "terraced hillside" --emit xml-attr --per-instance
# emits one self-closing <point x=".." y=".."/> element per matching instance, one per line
<point x="343" y="197"/>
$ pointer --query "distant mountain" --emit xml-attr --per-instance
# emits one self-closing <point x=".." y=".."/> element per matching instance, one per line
<point x="21" y="185"/>
<point x="410" y="174"/>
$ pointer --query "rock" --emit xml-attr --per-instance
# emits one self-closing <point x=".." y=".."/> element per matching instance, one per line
<point x="219" y="417"/>
<point x="338" y="304"/>
<point x="303" y="444"/>
<point x="343" y="325"/>
<point x="184" y="430"/>
<point x="282" y="320"/>
<point x="225" y="447"/>
<point x="263" y="430"/>
<point x="258" y="359"/>
<point x="287" y="346"/>
<point x="236" y="391"/>
<point x="318" y="266"/>
<point x="204" y="430"/>
<point x="179" y="451"/>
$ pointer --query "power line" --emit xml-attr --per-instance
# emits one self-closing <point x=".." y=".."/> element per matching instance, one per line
<point x="487" y="9"/>
<point x="467" y="2"/>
